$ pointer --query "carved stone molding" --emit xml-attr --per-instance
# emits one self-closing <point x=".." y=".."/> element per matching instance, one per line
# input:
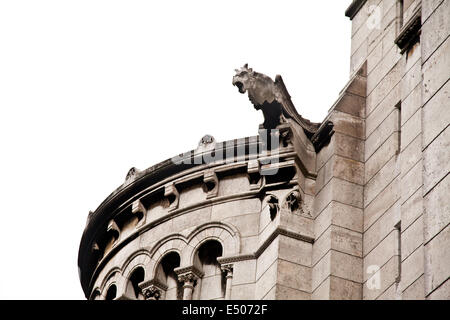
<point x="172" y="195"/>
<point x="188" y="274"/>
<point x="354" y="7"/>
<point x="138" y="209"/>
<point x="410" y="32"/>
<point x="254" y="175"/>
<point x="233" y="259"/>
<point x="152" y="289"/>
<point x="114" y="230"/>
<point x="210" y="184"/>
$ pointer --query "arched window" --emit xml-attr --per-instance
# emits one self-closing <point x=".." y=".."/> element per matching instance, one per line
<point x="133" y="290"/>
<point x="166" y="275"/>
<point x="111" y="293"/>
<point x="212" y="284"/>
<point x="96" y="295"/>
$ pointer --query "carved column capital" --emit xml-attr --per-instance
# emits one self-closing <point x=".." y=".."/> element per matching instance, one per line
<point x="153" y="289"/>
<point x="227" y="269"/>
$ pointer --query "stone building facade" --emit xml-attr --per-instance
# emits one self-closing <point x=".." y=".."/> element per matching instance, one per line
<point x="356" y="207"/>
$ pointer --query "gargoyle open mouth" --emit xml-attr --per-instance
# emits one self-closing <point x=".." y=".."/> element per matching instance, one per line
<point x="240" y="86"/>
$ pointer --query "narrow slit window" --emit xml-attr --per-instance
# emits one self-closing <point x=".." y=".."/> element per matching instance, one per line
<point x="398" y="109"/>
<point x="398" y="251"/>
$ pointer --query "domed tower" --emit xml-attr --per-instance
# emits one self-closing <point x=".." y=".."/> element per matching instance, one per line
<point x="228" y="220"/>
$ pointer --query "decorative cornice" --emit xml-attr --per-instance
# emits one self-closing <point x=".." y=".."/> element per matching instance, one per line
<point x="190" y="273"/>
<point x="410" y="32"/>
<point x="153" y="282"/>
<point x="354" y="7"/>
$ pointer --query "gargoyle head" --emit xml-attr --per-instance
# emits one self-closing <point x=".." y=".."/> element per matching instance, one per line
<point x="242" y="78"/>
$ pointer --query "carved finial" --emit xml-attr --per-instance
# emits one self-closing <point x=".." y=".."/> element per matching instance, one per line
<point x="207" y="139"/>
<point x="131" y="173"/>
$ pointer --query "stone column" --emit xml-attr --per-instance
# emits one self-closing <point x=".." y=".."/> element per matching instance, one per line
<point x="188" y="276"/>
<point x="228" y="270"/>
<point x="188" y="279"/>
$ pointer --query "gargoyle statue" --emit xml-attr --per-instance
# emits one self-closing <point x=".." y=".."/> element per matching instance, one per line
<point x="275" y="102"/>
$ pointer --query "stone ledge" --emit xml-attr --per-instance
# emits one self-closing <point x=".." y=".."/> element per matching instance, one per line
<point x="410" y="33"/>
<point x="354" y="8"/>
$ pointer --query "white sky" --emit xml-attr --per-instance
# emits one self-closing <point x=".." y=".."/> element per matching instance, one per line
<point x="91" y="88"/>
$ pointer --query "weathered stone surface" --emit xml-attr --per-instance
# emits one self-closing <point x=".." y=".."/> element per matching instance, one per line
<point x="374" y="57"/>
<point x="386" y="64"/>
<point x="267" y="258"/>
<point x="437" y="260"/>
<point x="412" y="267"/>
<point x="411" y="129"/>
<point x="415" y="291"/>
<point x="294" y="276"/>
<point x="339" y="214"/>
<point x="381" y="180"/>
<point x="437" y="209"/>
<point x="381" y="156"/>
<point x="411" y="104"/>
<point x="346" y="266"/>
<point x="191" y="219"/>
<point x="412" y="208"/>
<point x="384" y="87"/>
<point x="358" y="57"/>
<point x="435" y="114"/>
<point x="383" y="201"/>
<point x="295" y="251"/>
<point x="410" y="155"/>
<point x="412" y="238"/>
<point x="266" y="281"/>
<point x="347" y="124"/>
<point x="235" y="208"/>
<point x="342" y="168"/>
<point x="351" y="104"/>
<point x="441" y="293"/>
<point x="385" y="277"/>
<point x="341" y="191"/>
<point x="246" y="224"/>
<point x="428" y="8"/>
<point x="381" y="228"/>
<point x="243" y="292"/>
<point x="244" y="272"/>
<point x="233" y="185"/>
<point x="287" y="293"/>
<point x="391" y="293"/>
<point x="381" y="134"/>
<point x="411" y="182"/>
<point x="349" y="147"/>
<point x="437" y="29"/>
<point x="381" y="254"/>
<point x="411" y="79"/>
<point x="435" y="71"/>
<point x="383" y="110"/>
<point x="435" y="160"/>
<point x="342" y="289"/>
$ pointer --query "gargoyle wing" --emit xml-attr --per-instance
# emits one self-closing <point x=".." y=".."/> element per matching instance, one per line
<point x="289" y="110"/>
